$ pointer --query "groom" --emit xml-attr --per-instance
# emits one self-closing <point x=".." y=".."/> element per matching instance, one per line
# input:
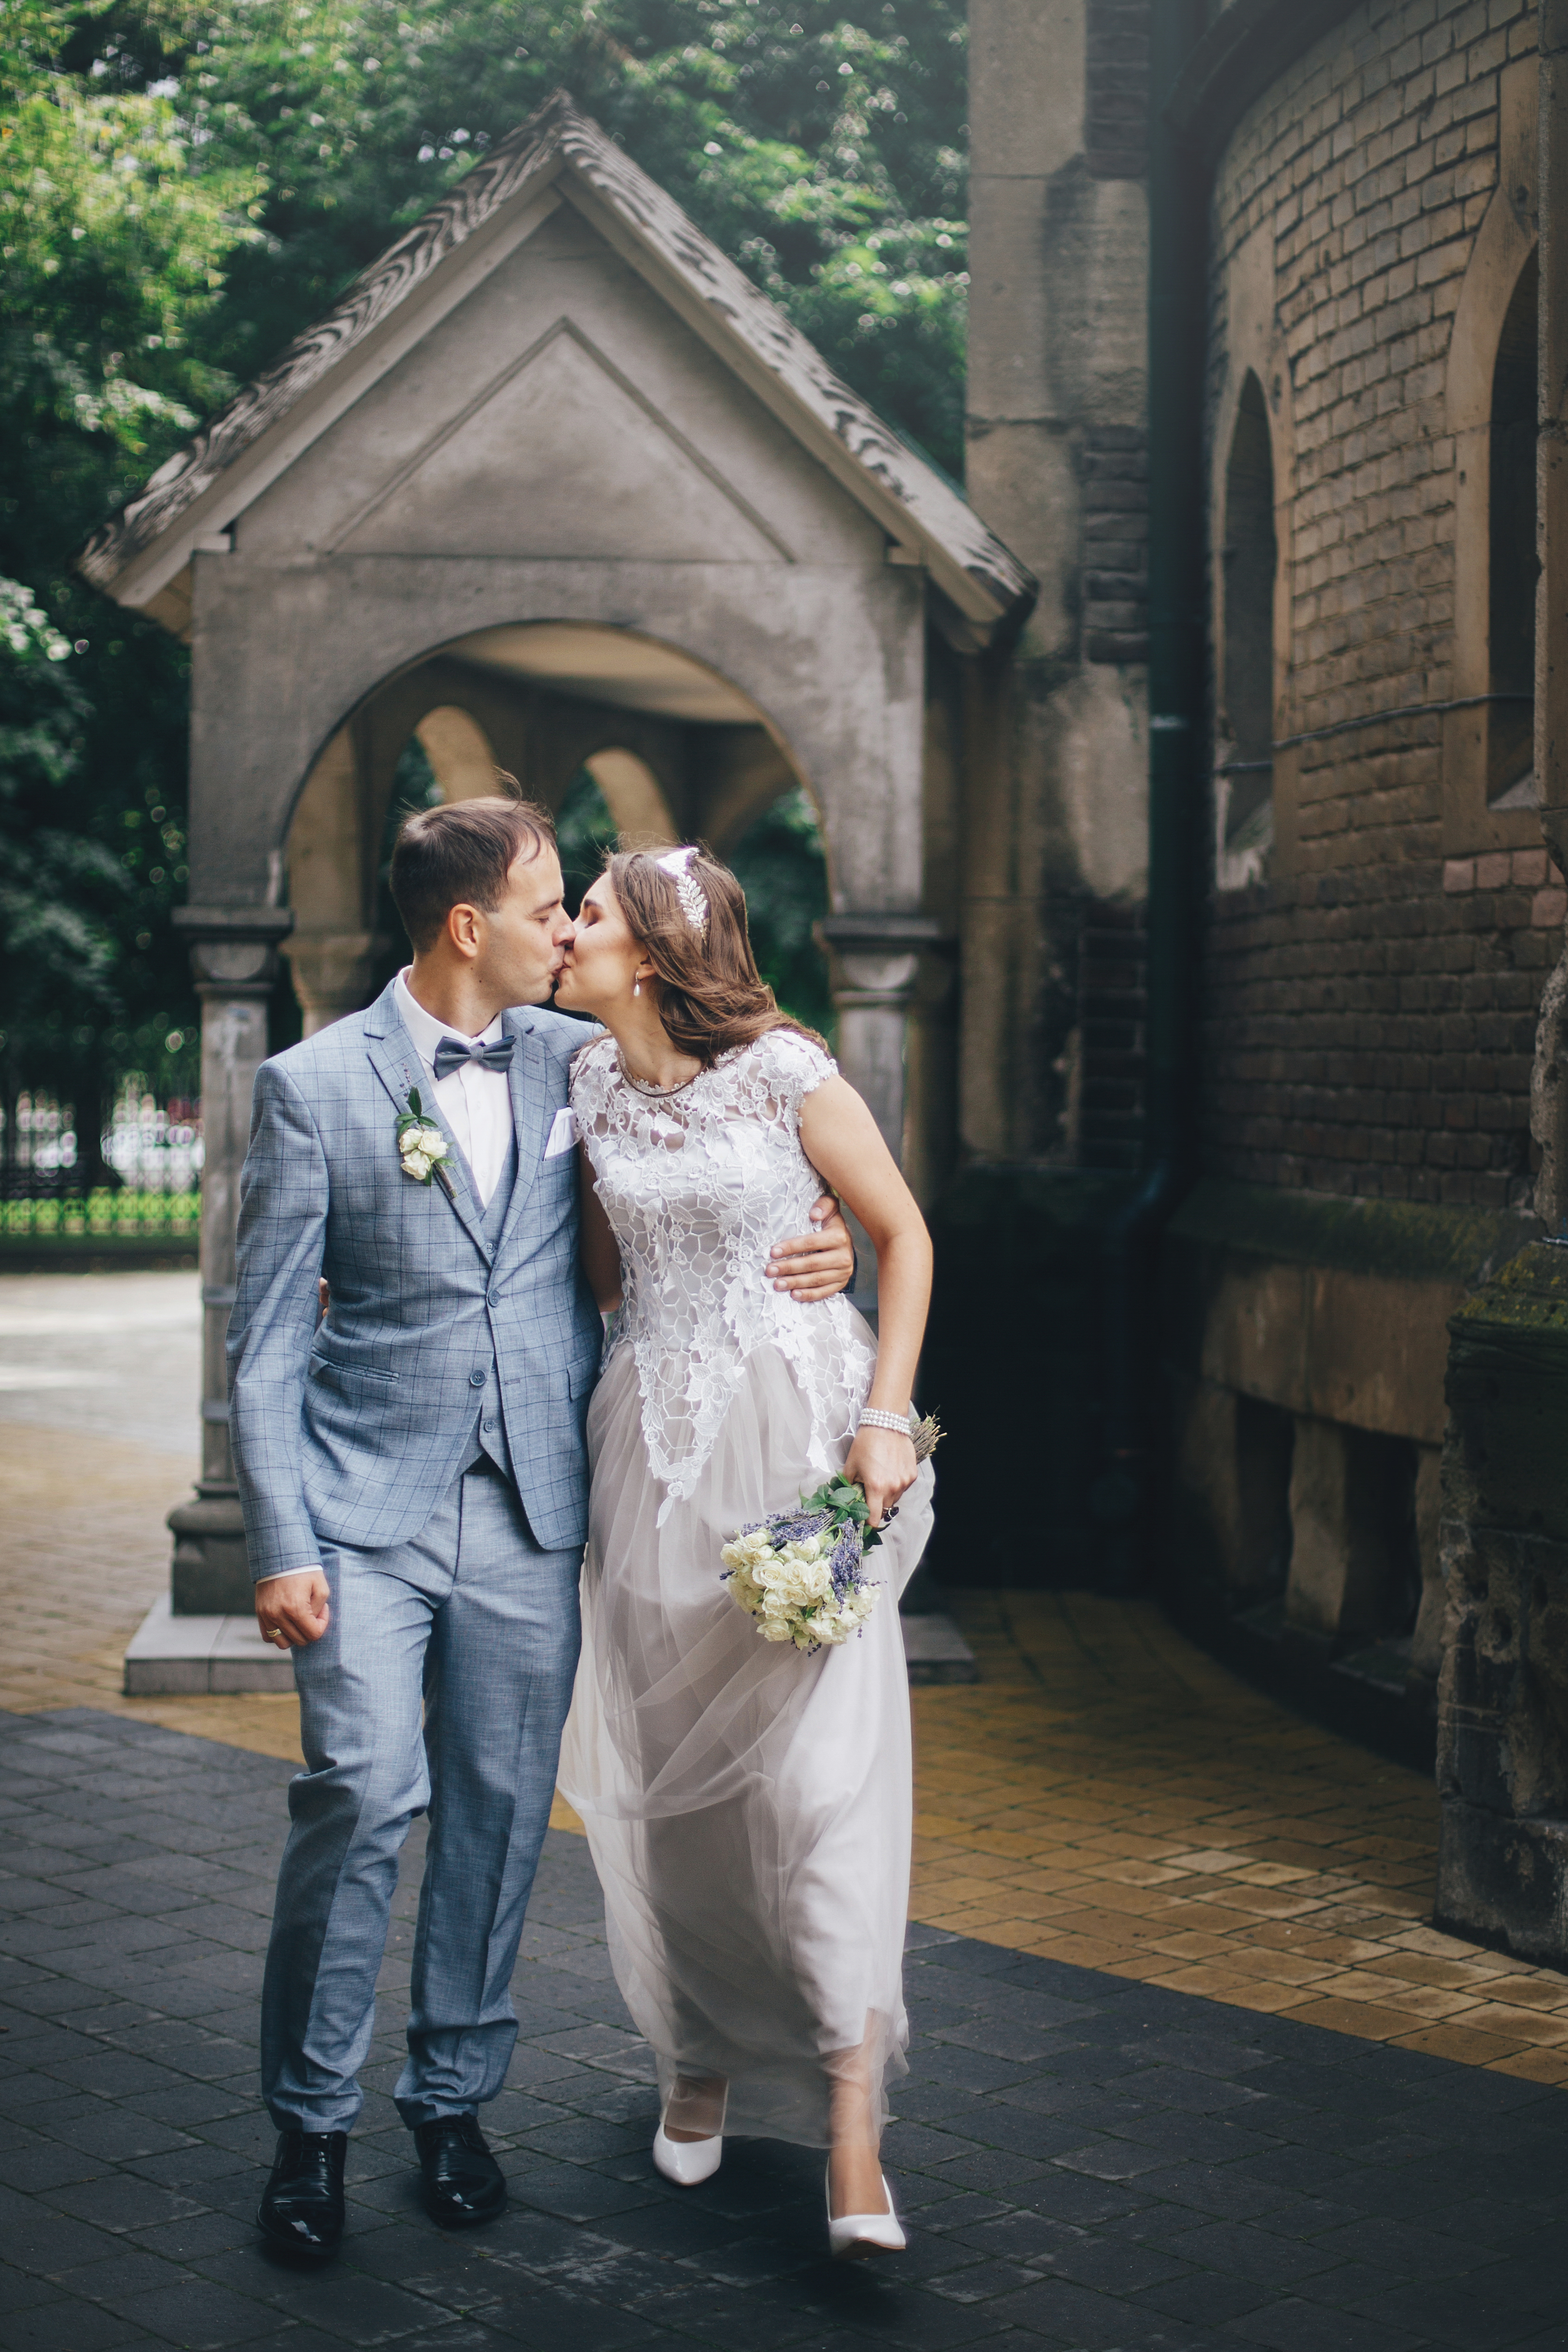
<point x="415" y="1486"/>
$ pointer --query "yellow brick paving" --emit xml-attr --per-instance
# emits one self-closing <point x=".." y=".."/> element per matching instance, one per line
<point x="1106" y="1794"/>
<point x="1109" y="1796"/>
<point x="85" y="1555"/>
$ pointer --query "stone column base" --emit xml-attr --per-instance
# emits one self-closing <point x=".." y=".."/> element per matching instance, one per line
<point x="211" y="1571"/>
<point x="1503" y="1882"/>
<point x="201" y="1657"/>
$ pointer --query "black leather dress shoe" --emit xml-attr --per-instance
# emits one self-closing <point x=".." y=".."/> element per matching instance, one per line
<point x="303" y="2205"/>
<point x="463" y="2182"/>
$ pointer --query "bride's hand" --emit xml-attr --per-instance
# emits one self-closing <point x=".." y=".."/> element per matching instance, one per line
<point x="883" y="1463"/>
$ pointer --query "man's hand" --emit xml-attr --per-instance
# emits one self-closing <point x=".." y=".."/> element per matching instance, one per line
<point x="293" y="1610"/>
<point x="816" y="1265"/>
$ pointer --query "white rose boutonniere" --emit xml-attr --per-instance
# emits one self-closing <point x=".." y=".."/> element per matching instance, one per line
<point x="421" y="1145"/>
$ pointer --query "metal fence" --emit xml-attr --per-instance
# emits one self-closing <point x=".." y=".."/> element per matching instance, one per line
<point x="152" y="1150"/>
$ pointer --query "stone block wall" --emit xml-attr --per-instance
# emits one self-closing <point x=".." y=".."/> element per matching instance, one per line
<point x="1370" y="1002"/>
<point x="1116" y="93"/>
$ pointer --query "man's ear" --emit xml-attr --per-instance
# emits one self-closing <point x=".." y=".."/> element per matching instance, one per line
<point x="464" y="929"/>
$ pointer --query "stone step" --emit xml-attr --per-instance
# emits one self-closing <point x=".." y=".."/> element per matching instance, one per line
<point x="176" y="1657"/>
<point x="936" y="1651"/>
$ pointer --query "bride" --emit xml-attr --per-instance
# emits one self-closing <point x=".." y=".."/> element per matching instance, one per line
<point x="748" y="1805"/>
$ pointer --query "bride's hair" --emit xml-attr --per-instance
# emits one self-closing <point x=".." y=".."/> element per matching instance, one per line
<point x="712" y="995"/>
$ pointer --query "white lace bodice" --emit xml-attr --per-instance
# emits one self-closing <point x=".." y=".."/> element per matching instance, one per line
<point x="698" y="1185"/>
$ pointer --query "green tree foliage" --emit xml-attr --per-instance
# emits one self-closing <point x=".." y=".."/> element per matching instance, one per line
<point x="820" y="144"/>
<point x="111" y="247"/>
<point x="184" y="184"/>
<point x="779" y="864"/>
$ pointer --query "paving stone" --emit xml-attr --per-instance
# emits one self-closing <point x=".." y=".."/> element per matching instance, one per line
<point x="197" y="2314"/>
<point x="1290" y="2326"/>
<point x="45" y="2241"/>
<point x="198" y="2235"/>
<point x="73" y="2326"/>
<point x="1086" y="2161"/>
<point x="118" y="2201"/>
<point x="21" y="2291"/>
<point x="132" y="2270"/>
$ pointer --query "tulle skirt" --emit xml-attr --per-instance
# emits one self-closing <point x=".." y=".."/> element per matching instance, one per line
<point x="748" y="1807"/>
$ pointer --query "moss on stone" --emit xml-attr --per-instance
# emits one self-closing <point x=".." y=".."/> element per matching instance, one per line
<point x="1409" y="1240"/>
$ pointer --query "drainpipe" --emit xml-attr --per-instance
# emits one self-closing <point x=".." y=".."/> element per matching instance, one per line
<point x="1178" y="799"/>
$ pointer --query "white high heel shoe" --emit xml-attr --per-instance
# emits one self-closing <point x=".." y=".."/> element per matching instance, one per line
<point x="686" y="2162"/>
<point x="853" y="2235"/>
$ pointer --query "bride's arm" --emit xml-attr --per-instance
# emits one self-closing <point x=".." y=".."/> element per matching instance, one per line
<point x="844" y="1144"/>
<point x="601" y="1258"/>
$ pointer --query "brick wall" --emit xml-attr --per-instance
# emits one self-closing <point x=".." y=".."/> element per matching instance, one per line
<point x="1371" y="1007"/>
<point x="1116" y="88"/>
<point x="1113" y="462"/>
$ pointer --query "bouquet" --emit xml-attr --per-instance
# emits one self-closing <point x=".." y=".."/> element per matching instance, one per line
<point x="800" y="1573"/>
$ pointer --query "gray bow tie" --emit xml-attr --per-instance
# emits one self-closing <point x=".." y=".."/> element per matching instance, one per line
<point x="451" y="1055"/>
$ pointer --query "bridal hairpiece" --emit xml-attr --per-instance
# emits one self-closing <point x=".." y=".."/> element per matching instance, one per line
<point x="693" y="898"/>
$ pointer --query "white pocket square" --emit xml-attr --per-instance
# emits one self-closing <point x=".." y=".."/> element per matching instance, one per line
<point x="563" y="1134"/>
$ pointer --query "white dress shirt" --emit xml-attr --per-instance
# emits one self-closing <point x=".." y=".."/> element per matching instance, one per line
<point x="476" y="1103"/>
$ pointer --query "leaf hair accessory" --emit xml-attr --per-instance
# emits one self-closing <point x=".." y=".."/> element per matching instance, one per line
<point x="692" y="897"/>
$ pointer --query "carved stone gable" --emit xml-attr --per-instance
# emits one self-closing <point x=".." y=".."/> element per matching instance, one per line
<point x="559" y="455"/>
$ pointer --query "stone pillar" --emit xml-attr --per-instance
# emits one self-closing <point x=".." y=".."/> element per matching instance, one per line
<point x="1426" y="1645"/>
<point x="331" y="972"/>
<point x="873" y="962"/>
<point x="1502" y="1702"/>
<point x="234" y="955"/>
<point x="1548" y="1089"/>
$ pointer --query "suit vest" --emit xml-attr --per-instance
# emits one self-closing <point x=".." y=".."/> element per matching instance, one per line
<point x="489" y="1435"/>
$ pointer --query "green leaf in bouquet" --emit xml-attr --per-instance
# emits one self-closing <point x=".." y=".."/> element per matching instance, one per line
<point x="414" y="1105"/>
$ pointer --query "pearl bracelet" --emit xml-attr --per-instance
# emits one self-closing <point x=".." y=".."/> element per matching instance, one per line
<point x="873" y="1417"/>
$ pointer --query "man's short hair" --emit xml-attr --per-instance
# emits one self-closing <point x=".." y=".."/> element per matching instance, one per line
<point x="461" y="854"/>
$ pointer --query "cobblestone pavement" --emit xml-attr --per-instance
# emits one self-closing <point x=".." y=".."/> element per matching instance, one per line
<point x="1108" y="1795"/>
<point x="99" y="1377"/>
<point x="114" y="1355"/>
<point x="1086" y="2161"/>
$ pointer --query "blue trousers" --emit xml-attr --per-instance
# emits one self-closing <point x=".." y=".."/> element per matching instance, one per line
<point x="474" y="1628"/>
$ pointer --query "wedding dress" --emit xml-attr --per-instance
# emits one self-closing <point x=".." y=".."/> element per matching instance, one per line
<point x="748" y="1806"/>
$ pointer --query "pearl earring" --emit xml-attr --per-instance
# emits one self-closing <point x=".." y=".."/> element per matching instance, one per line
<point x="636" y="987"/>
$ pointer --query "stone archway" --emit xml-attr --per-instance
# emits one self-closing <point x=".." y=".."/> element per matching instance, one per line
<point x="633" y="796"/>
<point x="458" y="751"/>
<point x="658" y="491"/>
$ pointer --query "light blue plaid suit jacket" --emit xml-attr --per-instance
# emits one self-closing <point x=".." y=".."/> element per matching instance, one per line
<point x="352" y="1432"/>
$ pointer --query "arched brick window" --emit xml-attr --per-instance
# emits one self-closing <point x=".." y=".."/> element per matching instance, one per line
<point x="1512" y="567"/>
<point x="1251" y="557"/>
